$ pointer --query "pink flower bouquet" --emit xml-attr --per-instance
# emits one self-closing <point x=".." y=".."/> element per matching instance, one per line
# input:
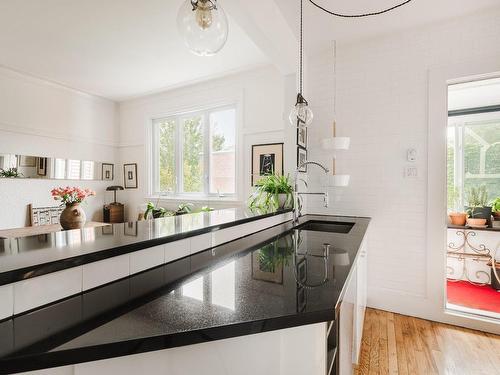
<point x="71" y="195"/>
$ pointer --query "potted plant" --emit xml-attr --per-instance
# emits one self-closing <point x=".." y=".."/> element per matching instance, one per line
<point x="10" y="173"/>
<point x="456" y="217"/>
<point x="477" y="209"/>
<point x="272" y="192"/>
<point x="495" y="208"/>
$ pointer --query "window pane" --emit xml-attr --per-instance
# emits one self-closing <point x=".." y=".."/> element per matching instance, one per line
<point x="73" y="169"/>
<point x="453" y="193"/>
<point x="60" y="169"/>
<point x="222" y="151"/>
<point x="482" y="155"/>
<point x="166" y="152"/>
<point x="192" y="155"/>
<point x="87" y="170"/>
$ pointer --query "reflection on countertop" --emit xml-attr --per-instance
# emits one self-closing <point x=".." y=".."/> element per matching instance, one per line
<point x="20" y="257"/>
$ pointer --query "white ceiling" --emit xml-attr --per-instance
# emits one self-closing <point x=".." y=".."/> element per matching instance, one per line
<point x="113" y="48"/>
<point x="321" y="28"/>
<point x="127" y="48"/>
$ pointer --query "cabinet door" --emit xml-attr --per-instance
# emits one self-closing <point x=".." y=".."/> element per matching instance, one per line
<point x="362" y="285"/>
<point x="346" y="325"/>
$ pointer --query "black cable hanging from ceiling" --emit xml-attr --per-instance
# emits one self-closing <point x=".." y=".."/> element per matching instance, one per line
<point x="361" y="14"/>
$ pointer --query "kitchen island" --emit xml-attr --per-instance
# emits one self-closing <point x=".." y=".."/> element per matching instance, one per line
<point x="282" y="290"/>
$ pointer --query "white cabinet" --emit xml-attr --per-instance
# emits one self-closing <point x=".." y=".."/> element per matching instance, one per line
<point x="347" y="324"/>
<point x="352" y="314"/>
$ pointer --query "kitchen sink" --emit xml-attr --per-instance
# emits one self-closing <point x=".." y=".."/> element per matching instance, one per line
<point x="327" y="226"/>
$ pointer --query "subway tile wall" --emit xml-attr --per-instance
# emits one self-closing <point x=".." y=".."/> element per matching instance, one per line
<point x="382" y="94"/>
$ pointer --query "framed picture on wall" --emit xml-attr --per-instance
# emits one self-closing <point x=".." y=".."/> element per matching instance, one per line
<point x="302" y="136"/>
<point x="108" y="172"/>
<point x="130" y="176"/>
<point x="267" y="159"/>
<point x="301" y="158"/>
<point x="41" y="166"/>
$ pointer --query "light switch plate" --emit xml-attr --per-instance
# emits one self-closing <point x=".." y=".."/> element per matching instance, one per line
<point x="410" y="172"/>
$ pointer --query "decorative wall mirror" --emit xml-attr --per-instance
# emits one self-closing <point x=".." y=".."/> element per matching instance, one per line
<point x="27" y="166"/>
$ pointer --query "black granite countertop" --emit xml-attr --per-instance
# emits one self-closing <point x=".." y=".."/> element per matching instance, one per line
<point x="274" y="279"/>
<point x="25" y="257"/>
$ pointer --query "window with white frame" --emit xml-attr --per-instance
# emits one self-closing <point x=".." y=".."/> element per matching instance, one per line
<point x="195" y="153"/>
<point x="473" y="155"/>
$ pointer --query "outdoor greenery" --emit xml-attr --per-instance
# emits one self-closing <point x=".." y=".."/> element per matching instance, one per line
<point x="267" y="192"/>
<point x="192" y="155"/>
<point x="167" y="155"/>
<point x="495" y="205"/>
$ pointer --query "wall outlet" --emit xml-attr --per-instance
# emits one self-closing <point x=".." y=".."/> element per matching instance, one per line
<point x="410" y="172"/>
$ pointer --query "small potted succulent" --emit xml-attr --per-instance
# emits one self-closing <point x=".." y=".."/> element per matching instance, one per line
<point x="477" y="209"/>
<point x="495" y="208"/>
<point x="272" y="192"/>
<point x="456" y="217"/>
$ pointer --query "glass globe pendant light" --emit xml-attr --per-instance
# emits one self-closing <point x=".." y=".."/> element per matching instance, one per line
<point x="301" y="114"/>
<point x="203" y="26"/>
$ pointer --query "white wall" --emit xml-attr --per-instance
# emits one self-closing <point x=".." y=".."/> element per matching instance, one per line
<point x="45" y="119"/>
<point x="259" y="95"/>
<point x="382" y="104"/>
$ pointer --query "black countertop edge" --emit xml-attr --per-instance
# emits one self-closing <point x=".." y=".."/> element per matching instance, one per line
<point x="466" y="227"/>
<point x="148" y="344"/>
<point x="20" y="274"/>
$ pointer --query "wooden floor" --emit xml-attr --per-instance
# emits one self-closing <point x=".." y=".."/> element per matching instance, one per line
<point x="398" y="344"/>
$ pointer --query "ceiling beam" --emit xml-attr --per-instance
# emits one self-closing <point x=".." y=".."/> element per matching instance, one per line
<point x="265" y="25"/>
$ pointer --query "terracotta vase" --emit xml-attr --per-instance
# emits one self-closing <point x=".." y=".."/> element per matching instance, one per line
<point x="73" y="217"/>
<point x="458" y="218"/>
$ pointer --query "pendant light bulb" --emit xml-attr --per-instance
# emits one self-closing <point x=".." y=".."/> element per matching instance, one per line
<point x="203" y="26"/>
<point x="301" y="114"/>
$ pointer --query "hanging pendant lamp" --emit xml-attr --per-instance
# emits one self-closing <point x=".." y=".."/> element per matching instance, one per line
<point x="301" y="114"/>
<point x="203" y="26"/>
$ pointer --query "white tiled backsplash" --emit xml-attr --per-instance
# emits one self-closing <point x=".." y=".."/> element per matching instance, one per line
<point x="382" y="99"/>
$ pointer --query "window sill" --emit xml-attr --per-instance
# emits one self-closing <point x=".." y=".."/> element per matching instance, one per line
<point x="187" y="198"/>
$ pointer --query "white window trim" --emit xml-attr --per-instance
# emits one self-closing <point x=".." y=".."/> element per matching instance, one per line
<point x="233" y="101"/>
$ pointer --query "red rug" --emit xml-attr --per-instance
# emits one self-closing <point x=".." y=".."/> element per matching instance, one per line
<point x="476" y="297"/>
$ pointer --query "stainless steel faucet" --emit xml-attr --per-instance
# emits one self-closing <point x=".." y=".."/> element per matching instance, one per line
<point x="297" y="205"/>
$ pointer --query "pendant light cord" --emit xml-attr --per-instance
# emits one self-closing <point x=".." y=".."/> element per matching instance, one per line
<point x="301" y="48"/>
<point x="361" y="14"/>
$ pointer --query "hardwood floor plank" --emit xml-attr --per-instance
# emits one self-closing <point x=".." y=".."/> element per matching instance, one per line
<point x="391" y="345"/>
<point x="364" y="359"/>
<point x="400" y="345"/>
<point x="383" y="345"/>
<point x="397" y="344"/>
<point x="409" y="345"/>
<point x="374" y="345"/>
